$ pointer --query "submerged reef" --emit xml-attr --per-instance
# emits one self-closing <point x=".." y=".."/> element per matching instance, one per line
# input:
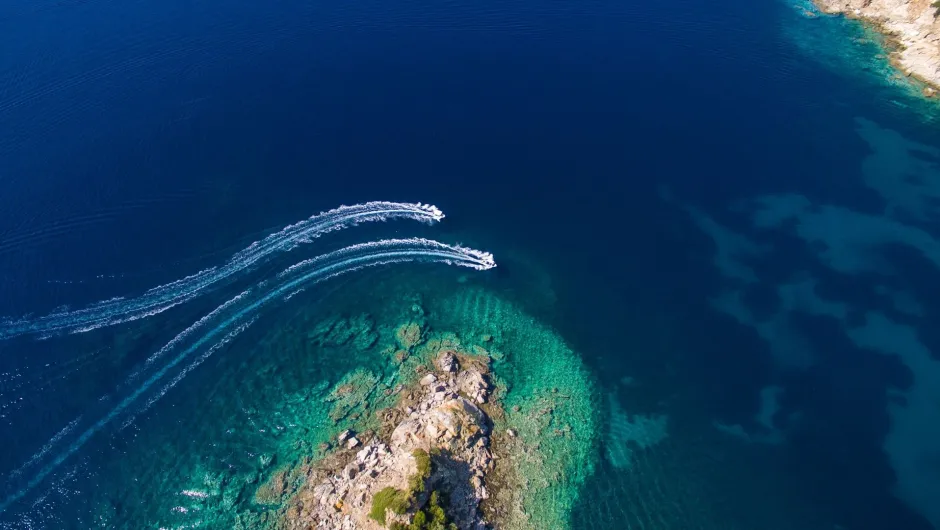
<point x="467" y="430"/>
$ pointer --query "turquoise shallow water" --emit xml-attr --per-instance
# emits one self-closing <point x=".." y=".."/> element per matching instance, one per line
<point x="718" y="222"/>
<point x="266" y="405"/>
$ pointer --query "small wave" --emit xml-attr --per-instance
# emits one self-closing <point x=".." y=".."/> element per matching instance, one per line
<point x="163" y="297"/>
<point x="219" y="327"/>
<point x="195" y="494"/>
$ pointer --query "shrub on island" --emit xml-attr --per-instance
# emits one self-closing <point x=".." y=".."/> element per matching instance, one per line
<point x="389" y="499"/>
<point x="430" y="518"/>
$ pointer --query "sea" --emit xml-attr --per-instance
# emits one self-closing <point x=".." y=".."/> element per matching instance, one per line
<point x="717" y="222"/>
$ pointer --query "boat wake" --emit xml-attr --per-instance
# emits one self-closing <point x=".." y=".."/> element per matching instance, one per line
<point x="163" y="297"/>
<point x="171" y="363"/>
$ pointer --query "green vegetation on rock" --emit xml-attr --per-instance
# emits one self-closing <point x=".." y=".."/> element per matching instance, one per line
<point x="389" y="499"/>
<point x="399" y="501"/>
<point x="430" y="518"/>
<point x="416" y="481"/>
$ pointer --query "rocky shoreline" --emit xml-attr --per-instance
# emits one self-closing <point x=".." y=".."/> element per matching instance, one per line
<point x="489" y="429"/>
<point x="912" y="27"/>
<point x="438" y="445"/>
<point x="428" y="462"/>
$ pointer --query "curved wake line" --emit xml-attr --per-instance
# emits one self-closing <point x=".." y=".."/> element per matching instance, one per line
<point x="163" y="297"/>
<point x="226" y="321"/>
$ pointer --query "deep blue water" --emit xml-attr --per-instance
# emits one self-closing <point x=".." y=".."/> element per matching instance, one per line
<point x="143" y="141"/>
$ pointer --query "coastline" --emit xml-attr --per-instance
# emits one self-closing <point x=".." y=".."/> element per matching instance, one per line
<point x="911" y="31"/>
<point x="486" y="428"/>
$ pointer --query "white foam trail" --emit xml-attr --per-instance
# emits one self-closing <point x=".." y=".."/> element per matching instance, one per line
<point x="45" y="449"/>
<point x="221" y="325"/>
<point x="163" y="297"/>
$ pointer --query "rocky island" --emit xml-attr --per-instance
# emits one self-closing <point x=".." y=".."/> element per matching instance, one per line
<point x="912" y="26"/>
<point x="440" y="442"/>
<point x="426" y="467"/>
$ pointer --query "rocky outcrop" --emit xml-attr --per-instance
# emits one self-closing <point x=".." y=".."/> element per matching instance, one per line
<point x="447" y="362"/>
<point x="912" y="24"/>
<point x="439" y="418"/>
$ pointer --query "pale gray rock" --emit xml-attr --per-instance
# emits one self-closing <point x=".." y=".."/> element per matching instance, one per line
<point x="447" y="362"/>
<point x="440" y="418"/>
<point x="474" y="385"/>
<point x="345" y="435"/>
<point x="913" y="23"/>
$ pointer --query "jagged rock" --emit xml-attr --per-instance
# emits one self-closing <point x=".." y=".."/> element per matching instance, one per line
<point x="911" y="23"/>
<point x="345" y="435"/>
<point x="323" y="492"/>
<point x="454" y="423"/>
<point x="474" y="385"/>
<point x="447" y="362"/>
<point x="440" y="414"/>
<point x="406" y="433"/>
